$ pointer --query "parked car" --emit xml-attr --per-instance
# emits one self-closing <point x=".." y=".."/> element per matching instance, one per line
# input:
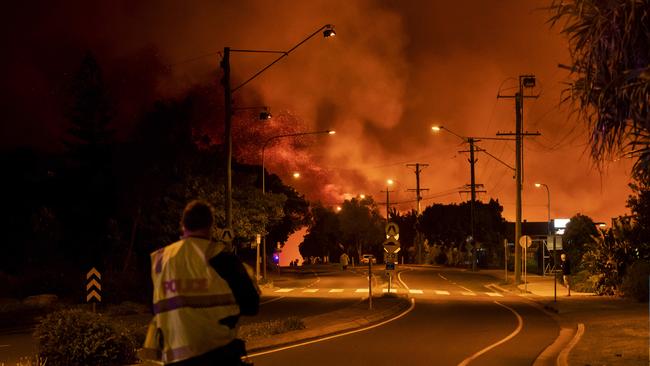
<point x="367" y="257"/>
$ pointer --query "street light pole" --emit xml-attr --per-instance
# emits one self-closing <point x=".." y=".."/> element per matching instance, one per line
<point x="389" y="183"/>
<point x="329" y="132"/>
<point x="550" y="232"/>
<point x="225" y="65"/>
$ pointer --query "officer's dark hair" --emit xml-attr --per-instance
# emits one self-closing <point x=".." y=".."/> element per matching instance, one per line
<point x="197" y="215"/>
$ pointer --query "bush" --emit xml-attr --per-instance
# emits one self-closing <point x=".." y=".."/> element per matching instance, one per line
<point x="78" y="337"/>
<point x="269" y="328"/>
<point x="635" y="282"/>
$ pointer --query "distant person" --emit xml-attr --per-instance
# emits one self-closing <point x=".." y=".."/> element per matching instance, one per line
<point x="344" y="260"/>
<point x="200" y="291"/>
<point x="565" y="264"/>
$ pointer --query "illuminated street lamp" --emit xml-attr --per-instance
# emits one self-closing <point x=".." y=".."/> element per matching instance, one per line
<point x="296" y="175"/>
<point x="389" y="182"/>
<point x="338" y="208"/>
<point x="550" y="232"/>
<point x="329" y="132"/>
<point x="328" y="32"/>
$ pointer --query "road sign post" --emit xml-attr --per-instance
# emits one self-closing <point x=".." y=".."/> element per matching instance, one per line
<point x="93" y="287"/>
<point x="370" y="283"/>
<point x="525" y="241"/>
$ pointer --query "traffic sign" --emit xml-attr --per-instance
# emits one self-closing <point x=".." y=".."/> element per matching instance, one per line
<point x="391" y="245"/>
<point x="227" y="235"/>
<point x="93" y="286"/>
<point x="392" y="229"/>
<point x="390" y="266"/>
<point x="525" y="241"/>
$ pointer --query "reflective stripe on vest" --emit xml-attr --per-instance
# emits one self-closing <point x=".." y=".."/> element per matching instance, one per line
<point x="205" y="301"/>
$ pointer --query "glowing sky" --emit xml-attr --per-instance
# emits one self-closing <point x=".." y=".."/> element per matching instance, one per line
<point x="394" y="69"/>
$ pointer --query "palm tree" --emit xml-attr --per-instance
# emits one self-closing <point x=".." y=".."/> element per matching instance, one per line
<point x="609" y="42"/>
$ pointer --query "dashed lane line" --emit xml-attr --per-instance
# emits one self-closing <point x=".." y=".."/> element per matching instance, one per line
<point x="441" y="292"/>
<point x="336" y="290"/>
<point x="361" y="290"/>
<point x="311" y="290"/>
<point x="468" y="293"/>
<point x="285" y="290"/>
<point x="413" y="291"/>
<point x="494" y="294"/>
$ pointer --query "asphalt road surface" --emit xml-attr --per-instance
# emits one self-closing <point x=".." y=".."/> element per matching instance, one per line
<point x="455" y="320"/>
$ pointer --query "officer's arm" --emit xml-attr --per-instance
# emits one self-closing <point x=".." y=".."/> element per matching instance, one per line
<point x="231" y="269"/>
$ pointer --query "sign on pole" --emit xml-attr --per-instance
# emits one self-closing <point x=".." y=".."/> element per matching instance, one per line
<point x="93" y="287"/>
<point x="227" y="235"/>
<point x="392" y="229"/>
<point x="525" y="241"/>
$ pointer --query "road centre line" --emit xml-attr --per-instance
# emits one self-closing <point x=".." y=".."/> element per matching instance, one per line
<point x="398" y="316"/>
<point x="336" y="290"/>
<point x="310" y="290"/>
<point x="416" y="291"/>
<point x="441" y="292"/>
<point x="399" y="277"/>
<point x="520" y="325"/>
<point x="443" y="277"/>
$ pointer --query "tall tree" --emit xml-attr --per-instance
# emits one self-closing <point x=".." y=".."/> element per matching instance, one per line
<point x="362" y="227"/>
<point x="609" y="42"/>
<point x="89" y="141"/>
<point x="578" y="235"/>
<point x="323" y="235"/>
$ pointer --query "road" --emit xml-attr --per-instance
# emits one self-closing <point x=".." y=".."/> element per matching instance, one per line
<point x="455" y="320"/>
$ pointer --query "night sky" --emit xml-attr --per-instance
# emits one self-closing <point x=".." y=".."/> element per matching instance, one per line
<point x="394" y="69"/>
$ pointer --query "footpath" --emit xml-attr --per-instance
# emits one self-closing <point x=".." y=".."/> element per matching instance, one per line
<point x="597" y="330"/>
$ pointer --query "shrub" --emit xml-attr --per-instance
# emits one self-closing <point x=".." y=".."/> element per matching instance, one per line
<point x="78" y="337"/>
<point x="635" y="282"/>
<point x="271" y="327"/>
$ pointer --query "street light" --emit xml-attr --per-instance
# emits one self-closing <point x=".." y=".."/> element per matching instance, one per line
<point x="389" y="182"/>
<point x="225" y="64"/>
<point x="550" y="232"/>
<point x="329" y="132"/>
<point x="296" y="175"/>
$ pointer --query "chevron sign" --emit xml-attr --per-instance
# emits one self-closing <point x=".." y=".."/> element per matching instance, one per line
<point x="93" y="286"/>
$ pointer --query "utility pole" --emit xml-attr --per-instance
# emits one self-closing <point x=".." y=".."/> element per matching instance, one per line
<point x="525" y="81"/>
<point x="418" y="198"/>
<point x="225" y="64"/>
<point x="388" y="192"/>
<point x="472" y="205"/>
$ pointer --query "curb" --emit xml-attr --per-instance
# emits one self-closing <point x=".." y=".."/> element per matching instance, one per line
<point x="352" y="322"/>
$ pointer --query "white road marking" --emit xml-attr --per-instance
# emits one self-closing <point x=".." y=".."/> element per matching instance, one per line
<point x="361" y="290"/>
<point x="311" y="290"/>
<point x="5" y="345"/>
<point x="336" y="290"/>
<point x="338" y="335"/>
<point x="392" y="291"/>
<point x="562" y="357"/>
<point x="285" y="290"/>
<point x="520" y="325"/>
<point x="465" y="293"/>
<point x="439" y="292"/>
<point x="443" y="277"/>
<point x="494" y="294"/>
<point x="272" y="300"/>
<point x="465" y="288"/>
<point x="416" y="291"/>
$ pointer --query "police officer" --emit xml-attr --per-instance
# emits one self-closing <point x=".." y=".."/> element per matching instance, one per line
<point x="200" y="290"/>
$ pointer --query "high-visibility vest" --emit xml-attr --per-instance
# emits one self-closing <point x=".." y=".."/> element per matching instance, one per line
<point x="189" y="300"/>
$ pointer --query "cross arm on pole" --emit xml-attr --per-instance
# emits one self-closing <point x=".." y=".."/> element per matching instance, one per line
<point x="283" y="54"/>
